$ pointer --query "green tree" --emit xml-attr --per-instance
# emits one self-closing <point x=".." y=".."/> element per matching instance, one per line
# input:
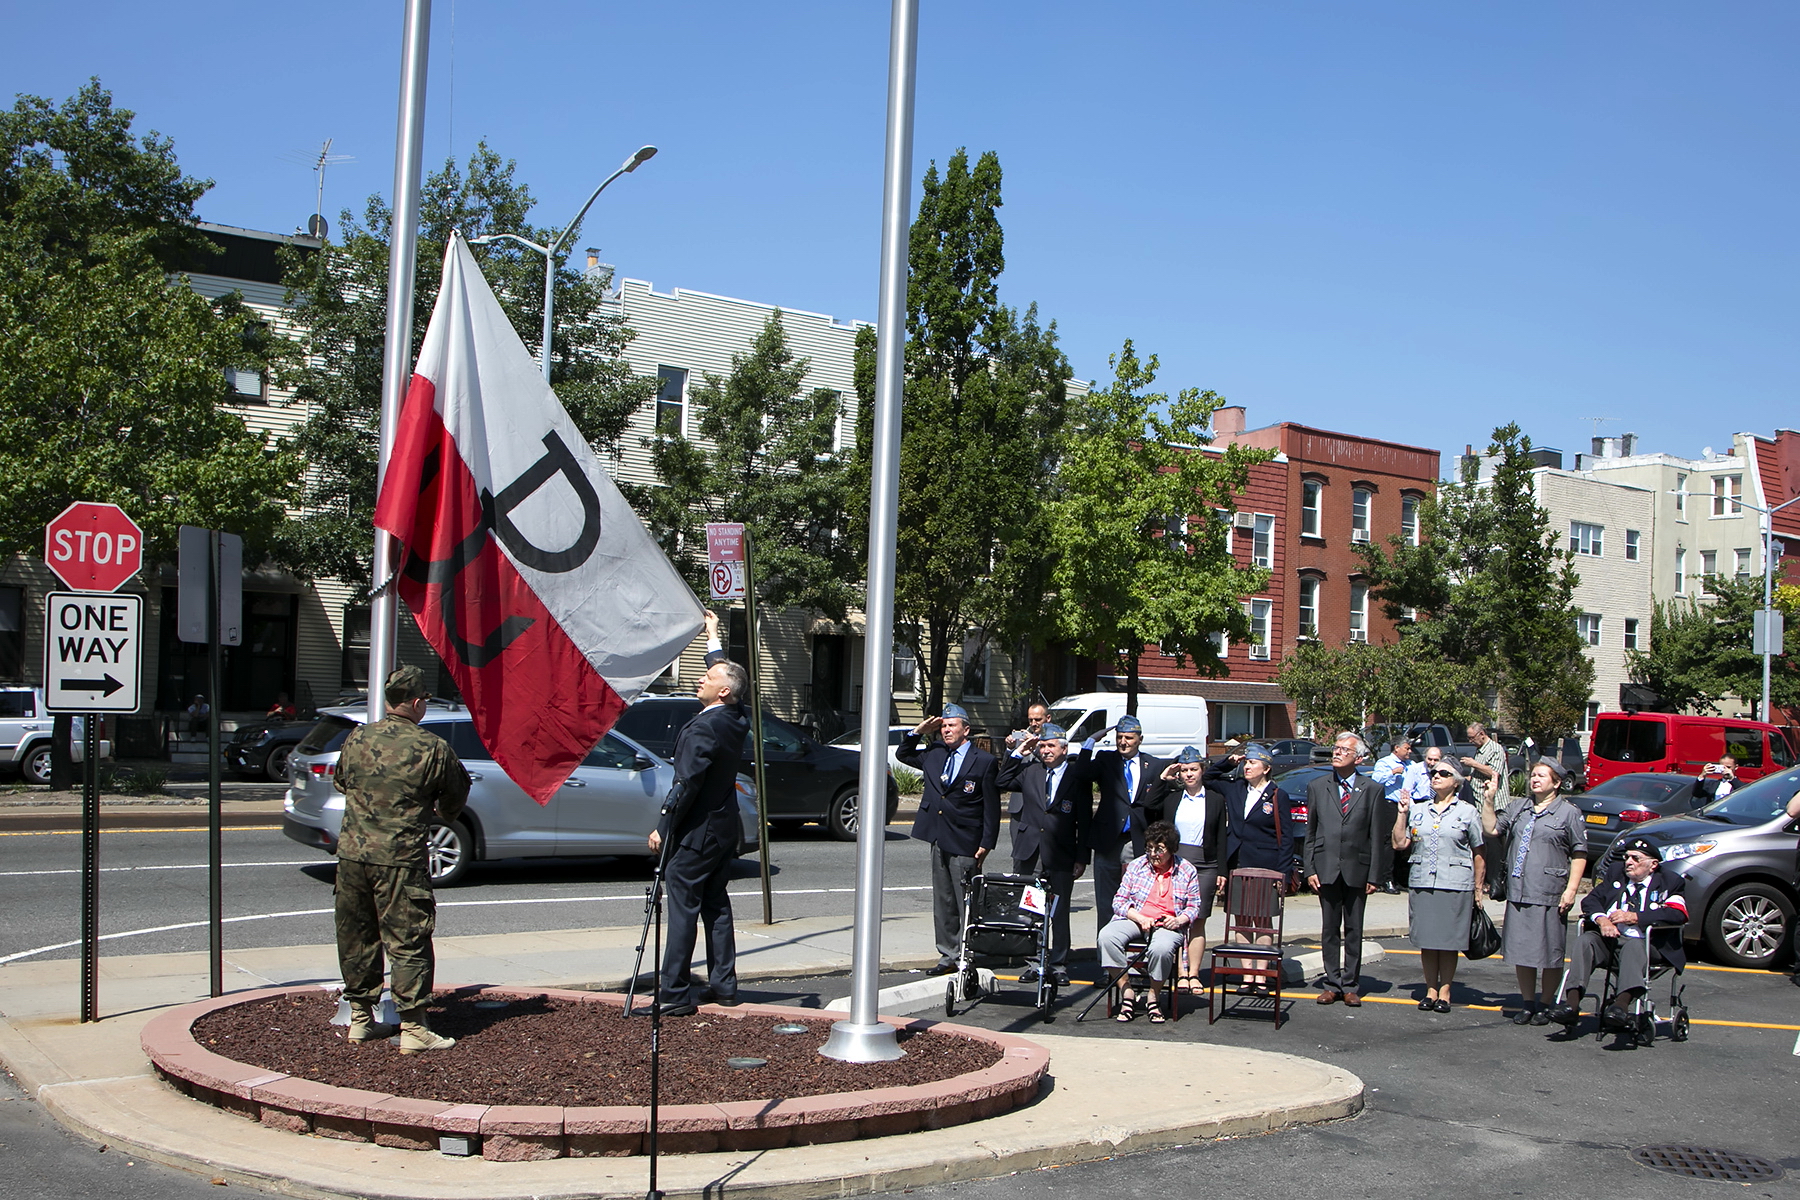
<point x="1131" y="562"/>
<point x="340" y="302"/>
<point x="770" y="464"/>
<point x="1700" y="652"/>
<point x="1494" y="587"/>
<point x="1350" y="686"/>
<point x="112" y="371"/>
<point x="985" y="389"/>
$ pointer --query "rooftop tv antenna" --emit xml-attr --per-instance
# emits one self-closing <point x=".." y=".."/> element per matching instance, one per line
<point x="1596" y="420"/>
<point x="316" y="225"/>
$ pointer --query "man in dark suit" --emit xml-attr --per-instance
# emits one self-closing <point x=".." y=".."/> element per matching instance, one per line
<point x="1050" y="828"/>
<point x="1347" y="851"/>
<point x="1116" y="834"/>
<point x="959" y="815"/>
<point x="1035" y="715"/>
<point x="700" y="819"/>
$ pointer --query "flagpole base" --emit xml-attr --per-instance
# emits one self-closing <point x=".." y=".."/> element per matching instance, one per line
<point x="853" y="1043"/>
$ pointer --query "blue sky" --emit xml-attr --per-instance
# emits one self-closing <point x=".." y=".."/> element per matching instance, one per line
<point x="1415" y="220"/>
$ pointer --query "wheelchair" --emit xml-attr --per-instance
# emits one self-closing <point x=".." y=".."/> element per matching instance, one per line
<point x="1644" y="1017"/>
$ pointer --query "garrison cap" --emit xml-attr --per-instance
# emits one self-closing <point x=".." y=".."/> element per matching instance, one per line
<point x="1258" y="752"/>
<point x="405" y="683"/>
<point x="955" y="711"/>
<point x="1129" y="724"/>
<point x="1052" y="733"/>
<point x="1556" y="768"/>
<point x="1190" y="755"/>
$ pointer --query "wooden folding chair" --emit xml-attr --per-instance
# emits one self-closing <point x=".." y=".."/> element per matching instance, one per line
<point x="1254" y="909"/>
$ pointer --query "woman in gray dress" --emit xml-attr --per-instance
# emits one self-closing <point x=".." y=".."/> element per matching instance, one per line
<point x="1444" y="835"/>
<point x="1545" y="855"/>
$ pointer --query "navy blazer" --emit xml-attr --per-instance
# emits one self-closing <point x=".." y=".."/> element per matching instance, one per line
<point x="1057" y="836"/>
<point x="1663" y="918"/>
<point x="965" y="816"/>
<point x="1166" y="797"/>
<point x="708" y="752"/>
<point x="1112" y="807"/>
<point x="1264" y="839"/>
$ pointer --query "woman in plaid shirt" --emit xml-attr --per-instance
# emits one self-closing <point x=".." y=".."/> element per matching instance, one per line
<point x="1159" y="897"/>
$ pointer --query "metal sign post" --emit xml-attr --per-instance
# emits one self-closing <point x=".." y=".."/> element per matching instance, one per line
<point x="210" y="611"/>
<point x="756" y="724"/>
<point x="90" y="871"/>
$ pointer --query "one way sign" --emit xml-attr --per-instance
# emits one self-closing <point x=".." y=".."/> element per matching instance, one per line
<point x="93" y="647"/>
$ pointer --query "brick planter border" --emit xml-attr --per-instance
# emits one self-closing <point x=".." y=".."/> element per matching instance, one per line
<point x="517" y="1133"/>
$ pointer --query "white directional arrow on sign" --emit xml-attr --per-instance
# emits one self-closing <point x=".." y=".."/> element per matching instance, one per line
<point x="93" y="646"/>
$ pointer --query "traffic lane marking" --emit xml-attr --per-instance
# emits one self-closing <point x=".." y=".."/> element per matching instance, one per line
<point x="162" y="867"/>
<point x="1767" y="972"/>
<point x="130" y="829"/>
<point x="324" y="912"/>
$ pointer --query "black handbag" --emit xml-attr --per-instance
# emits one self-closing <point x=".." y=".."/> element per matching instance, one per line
<point x="1484" y="938"/>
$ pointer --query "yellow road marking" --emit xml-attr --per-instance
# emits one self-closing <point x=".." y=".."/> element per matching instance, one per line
<point x="1691" y="967"/>
<point x="128" y="829"/>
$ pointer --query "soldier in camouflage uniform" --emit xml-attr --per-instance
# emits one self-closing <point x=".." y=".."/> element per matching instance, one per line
<point x="392" y="774"/>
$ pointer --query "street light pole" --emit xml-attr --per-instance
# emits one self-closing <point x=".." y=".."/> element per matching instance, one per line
<point x="1767" y="712"/>
<point x="638" y="158"/>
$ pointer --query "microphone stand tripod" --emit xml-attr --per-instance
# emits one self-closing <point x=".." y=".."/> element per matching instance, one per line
<point x="653" y="901"/>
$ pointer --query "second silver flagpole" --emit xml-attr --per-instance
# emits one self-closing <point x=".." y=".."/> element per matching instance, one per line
<point x="864" y="1038"/>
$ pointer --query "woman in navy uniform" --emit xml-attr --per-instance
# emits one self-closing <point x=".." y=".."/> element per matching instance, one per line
<point x="1259" y="818"/>
<point x="1198" y="814"/>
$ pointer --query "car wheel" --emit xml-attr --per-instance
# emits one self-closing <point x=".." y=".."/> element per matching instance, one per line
<point x="276" y="765"/>
<point x="1749" y="925"/>
<point x="449" y="850"/>
<point x="843" y="817"/>
<point x="37" y="765"/>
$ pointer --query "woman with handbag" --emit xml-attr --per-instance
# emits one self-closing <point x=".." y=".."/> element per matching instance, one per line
<point x="1444" y="835"/>
<point x="1541" y="865"/>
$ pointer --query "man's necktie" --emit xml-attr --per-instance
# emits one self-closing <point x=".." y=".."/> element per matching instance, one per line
<point x="949" y="768"/>
<point x="1130" y="791"/>
<point x="1050" y="788"/>
<point x="1344" y="799"/>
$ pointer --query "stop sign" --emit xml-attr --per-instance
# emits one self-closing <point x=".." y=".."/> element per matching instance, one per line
<point x="93" y="547"/>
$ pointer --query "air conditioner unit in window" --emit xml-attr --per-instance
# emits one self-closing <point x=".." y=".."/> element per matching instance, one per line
<point x="1259" y="652"/>
<point x="1244" y="520"/>
<point x="1359" y="535"/>
<point x="1359" y="635"/>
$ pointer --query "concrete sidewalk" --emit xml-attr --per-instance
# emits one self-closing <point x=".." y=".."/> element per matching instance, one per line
<point x="96" y="1079"/>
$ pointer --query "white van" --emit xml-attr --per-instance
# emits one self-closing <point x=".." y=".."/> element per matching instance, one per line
<point x="1170" y="722"/>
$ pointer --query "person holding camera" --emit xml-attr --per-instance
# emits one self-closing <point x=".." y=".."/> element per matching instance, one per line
<point x="1717" y="780"/>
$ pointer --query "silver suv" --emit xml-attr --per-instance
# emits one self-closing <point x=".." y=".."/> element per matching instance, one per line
<point x="25" y="730"/>
<point x="608" y="806"/>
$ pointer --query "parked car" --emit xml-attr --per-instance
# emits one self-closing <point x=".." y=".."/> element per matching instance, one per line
<point x="608" y="806"/>
<point x="1292" y="752"/>
<point x="1738" y="858"/>
<point x="1685" y="744"/>
<point x="25" y="732"/>
<point x="806" y="780"/>
<point x="1626" y="801"/>
<point x="261" y="751"/>
<point x="1170" y="722"/>
<point x="853" y="741"/>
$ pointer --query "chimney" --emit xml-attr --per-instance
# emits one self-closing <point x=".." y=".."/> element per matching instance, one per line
<point x="1628" y="445"/>
<point x="1228" y="421"/>
<point x="1599" y="447"/>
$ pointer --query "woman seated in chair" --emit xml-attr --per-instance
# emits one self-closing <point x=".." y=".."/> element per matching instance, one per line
<point x="1157" y="900"/>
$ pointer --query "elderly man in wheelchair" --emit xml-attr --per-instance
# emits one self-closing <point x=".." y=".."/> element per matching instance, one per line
<point x="1630" y="925"/>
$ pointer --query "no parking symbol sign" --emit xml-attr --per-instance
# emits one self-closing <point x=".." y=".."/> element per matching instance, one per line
<point x="725" y="551"/>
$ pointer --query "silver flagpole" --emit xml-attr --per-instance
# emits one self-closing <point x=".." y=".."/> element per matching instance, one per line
<point x="863" y="1038"/>
<point x="396" y="355"/>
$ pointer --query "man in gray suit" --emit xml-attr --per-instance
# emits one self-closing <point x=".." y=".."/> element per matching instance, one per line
<point x="1347" y="851"/>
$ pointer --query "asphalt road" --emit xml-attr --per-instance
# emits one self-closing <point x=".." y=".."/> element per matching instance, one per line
<point x="153" y="890"/>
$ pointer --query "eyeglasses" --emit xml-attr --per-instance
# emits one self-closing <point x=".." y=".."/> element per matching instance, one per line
<point x="1443" y="774"/>
<point x="1634" y="856"/>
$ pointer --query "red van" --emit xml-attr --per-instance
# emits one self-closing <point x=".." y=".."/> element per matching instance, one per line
<point x="1685" y="745"/>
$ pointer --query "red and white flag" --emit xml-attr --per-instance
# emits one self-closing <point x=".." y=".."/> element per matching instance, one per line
<point x="525" y="568"/>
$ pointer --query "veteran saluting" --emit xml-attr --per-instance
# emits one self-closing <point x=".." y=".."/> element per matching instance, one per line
<point x="959" y="815"/>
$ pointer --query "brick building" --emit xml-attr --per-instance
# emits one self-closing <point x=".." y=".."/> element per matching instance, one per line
<point x="1301" y="516"/>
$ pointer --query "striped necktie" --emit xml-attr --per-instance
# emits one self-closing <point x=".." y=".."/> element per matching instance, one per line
<point x="1344" y="798"/>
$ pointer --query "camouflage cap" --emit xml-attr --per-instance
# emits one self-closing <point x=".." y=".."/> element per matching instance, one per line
<point x="405" y="683"/>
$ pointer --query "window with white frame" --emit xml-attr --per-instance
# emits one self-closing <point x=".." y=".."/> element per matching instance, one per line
<point x="1632" y="540"/>
<point x="1359" y="612"/>
<point x="1258" y="612"/>
<point x="1309" y="606"/>
<point x="1359" y="514"/>
<point x="1727" y="491"/>
<point x="1590" y="716"/>
<point x="671" y="400"/>
<point x="1311" y="492"/>
<point x="1262" y="541"/>
<point x="1743" y="565"/>
<point x="905" y="670"/>
<point x="1585" y="538"/>
<point x="1681" y="496"/>
<point x="1409" y="519"/>
<point x="1241" y="721"/>
<point x="1588" y="626"/>
<point x="1224" y="519"/>
<point x="1680" y="571"/>
<point x="975" y="668"/>
<point x="1221" y="646"/>
<point x="1631" y="633"/>
<point x="1709" y="567"/>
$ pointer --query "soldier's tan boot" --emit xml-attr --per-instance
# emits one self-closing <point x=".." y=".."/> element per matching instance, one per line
<point x="365" y="1028"/>
<point x="416" y="1036"/>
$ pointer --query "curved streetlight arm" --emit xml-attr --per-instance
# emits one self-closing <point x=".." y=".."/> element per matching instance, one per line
<point x="637" y="159"/>
<point x="489" y="239"/>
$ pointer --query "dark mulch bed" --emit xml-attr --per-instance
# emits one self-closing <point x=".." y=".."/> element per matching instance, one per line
<point x="541" y="1050"/>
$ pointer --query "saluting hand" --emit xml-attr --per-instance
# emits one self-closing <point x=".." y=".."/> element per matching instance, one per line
<point x="1170" y="772"/>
